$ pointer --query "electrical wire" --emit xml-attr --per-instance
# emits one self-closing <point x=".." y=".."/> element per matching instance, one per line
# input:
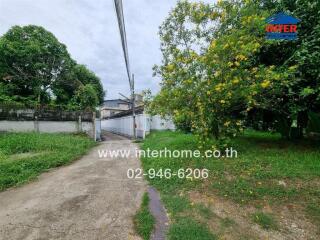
<point x="119" y="11"/>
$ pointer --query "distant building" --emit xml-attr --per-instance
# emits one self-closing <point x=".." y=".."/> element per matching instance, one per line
<point x="138" y="99"/>
<point x="112" y="107"/>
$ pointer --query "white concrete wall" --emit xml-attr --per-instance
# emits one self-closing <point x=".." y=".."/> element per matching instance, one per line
<point x="145" y="123"/>
<point x="158" y="123"/>
<point x="46" y="126"/>
<point x="17" y="126"/>
<point x="123" y="126"/>
<point x="53" y="127"/>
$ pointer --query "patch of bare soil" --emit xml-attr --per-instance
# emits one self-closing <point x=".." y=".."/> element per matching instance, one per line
<point x="92" y="198"/>
<point x="234" y="221"/>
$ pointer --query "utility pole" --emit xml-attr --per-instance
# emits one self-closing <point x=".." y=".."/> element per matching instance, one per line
<point x="122" y="29"/>
<point x="133" y="108"/>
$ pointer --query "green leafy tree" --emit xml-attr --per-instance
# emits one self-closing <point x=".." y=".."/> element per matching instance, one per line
<point x="184" y="34"/>
<point x="32" y="60"/>
<point x="85" y="98"/>
<point x="79" y="75"/>
<point x="303" y="96"/>
<point x="85" y="76"/>
<point x="35" y="67"/>
<point x="210" y="73"/>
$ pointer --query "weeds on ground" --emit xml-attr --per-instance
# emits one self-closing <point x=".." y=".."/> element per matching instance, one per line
<point x="143" y="220"/>
<point x="23" y="156"/>
<point x="268" y="170"/>
<point x="189" y="229"/>
<point x="265" y="220"/>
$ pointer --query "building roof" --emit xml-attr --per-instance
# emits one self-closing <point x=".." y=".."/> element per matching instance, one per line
<point x="138" y="110"/>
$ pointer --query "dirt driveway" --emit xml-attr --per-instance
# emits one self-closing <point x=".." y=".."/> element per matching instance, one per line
<point x="89" y="199"/>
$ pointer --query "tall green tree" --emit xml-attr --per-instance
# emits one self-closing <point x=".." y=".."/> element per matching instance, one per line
<point x="83" y="75"/>
<point x="79" y="75"/>
<point x="211" y="76"/>
<point x="85" y="98"/>
<point x="300" y="97"/>
<point x="32" y="60"/>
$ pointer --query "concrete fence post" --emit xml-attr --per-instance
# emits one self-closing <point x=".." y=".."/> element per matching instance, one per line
<point x="94" y="126"/>
<point x="79" y="124"/>
<point x="36" y="124"/>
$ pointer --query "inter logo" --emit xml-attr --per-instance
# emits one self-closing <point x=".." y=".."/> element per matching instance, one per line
<point x="282" y="26"/>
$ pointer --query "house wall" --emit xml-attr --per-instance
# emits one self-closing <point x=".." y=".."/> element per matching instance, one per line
<point x="123" y="106"/>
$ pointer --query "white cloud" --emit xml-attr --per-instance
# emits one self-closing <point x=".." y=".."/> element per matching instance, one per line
<point x="89" y="29"/>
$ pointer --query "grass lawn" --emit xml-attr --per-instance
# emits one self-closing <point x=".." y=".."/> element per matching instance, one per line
<point x="272" y="184"/>
<point x="23" y="156"/>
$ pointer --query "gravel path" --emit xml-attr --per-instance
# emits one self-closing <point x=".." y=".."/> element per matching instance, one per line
<point x="89" y="199"/>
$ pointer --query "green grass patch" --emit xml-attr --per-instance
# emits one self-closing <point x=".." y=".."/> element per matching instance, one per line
<point x="266" y="221"/>
<point x="189" y="229"/>
<point x="265" y="161"/>
<point x="143" y="220"/>
<point x="176" y="204"/>
<point x="23" y="156"/>
<point x="204" y="211"/>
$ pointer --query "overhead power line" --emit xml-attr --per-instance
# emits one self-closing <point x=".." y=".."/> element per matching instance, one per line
<point x="123" y="35"/>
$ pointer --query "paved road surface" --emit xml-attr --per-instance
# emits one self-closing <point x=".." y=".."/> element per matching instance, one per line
<point x="89" y="199"/>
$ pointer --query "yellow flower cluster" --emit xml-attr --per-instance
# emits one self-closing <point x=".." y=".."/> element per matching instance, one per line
<point x="227" y="123"/>
<point x="265" y="84"/>
<point x="219" y="87"/>
<point x="235" y="80"/>
<point x="217" y="73"/>
<point x="213" y="44"/>
<point x="241" y="57"/>
<point x="170" y="67"/>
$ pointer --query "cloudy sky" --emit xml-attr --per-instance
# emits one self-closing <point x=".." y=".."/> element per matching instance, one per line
<point x="89" y="29"/>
